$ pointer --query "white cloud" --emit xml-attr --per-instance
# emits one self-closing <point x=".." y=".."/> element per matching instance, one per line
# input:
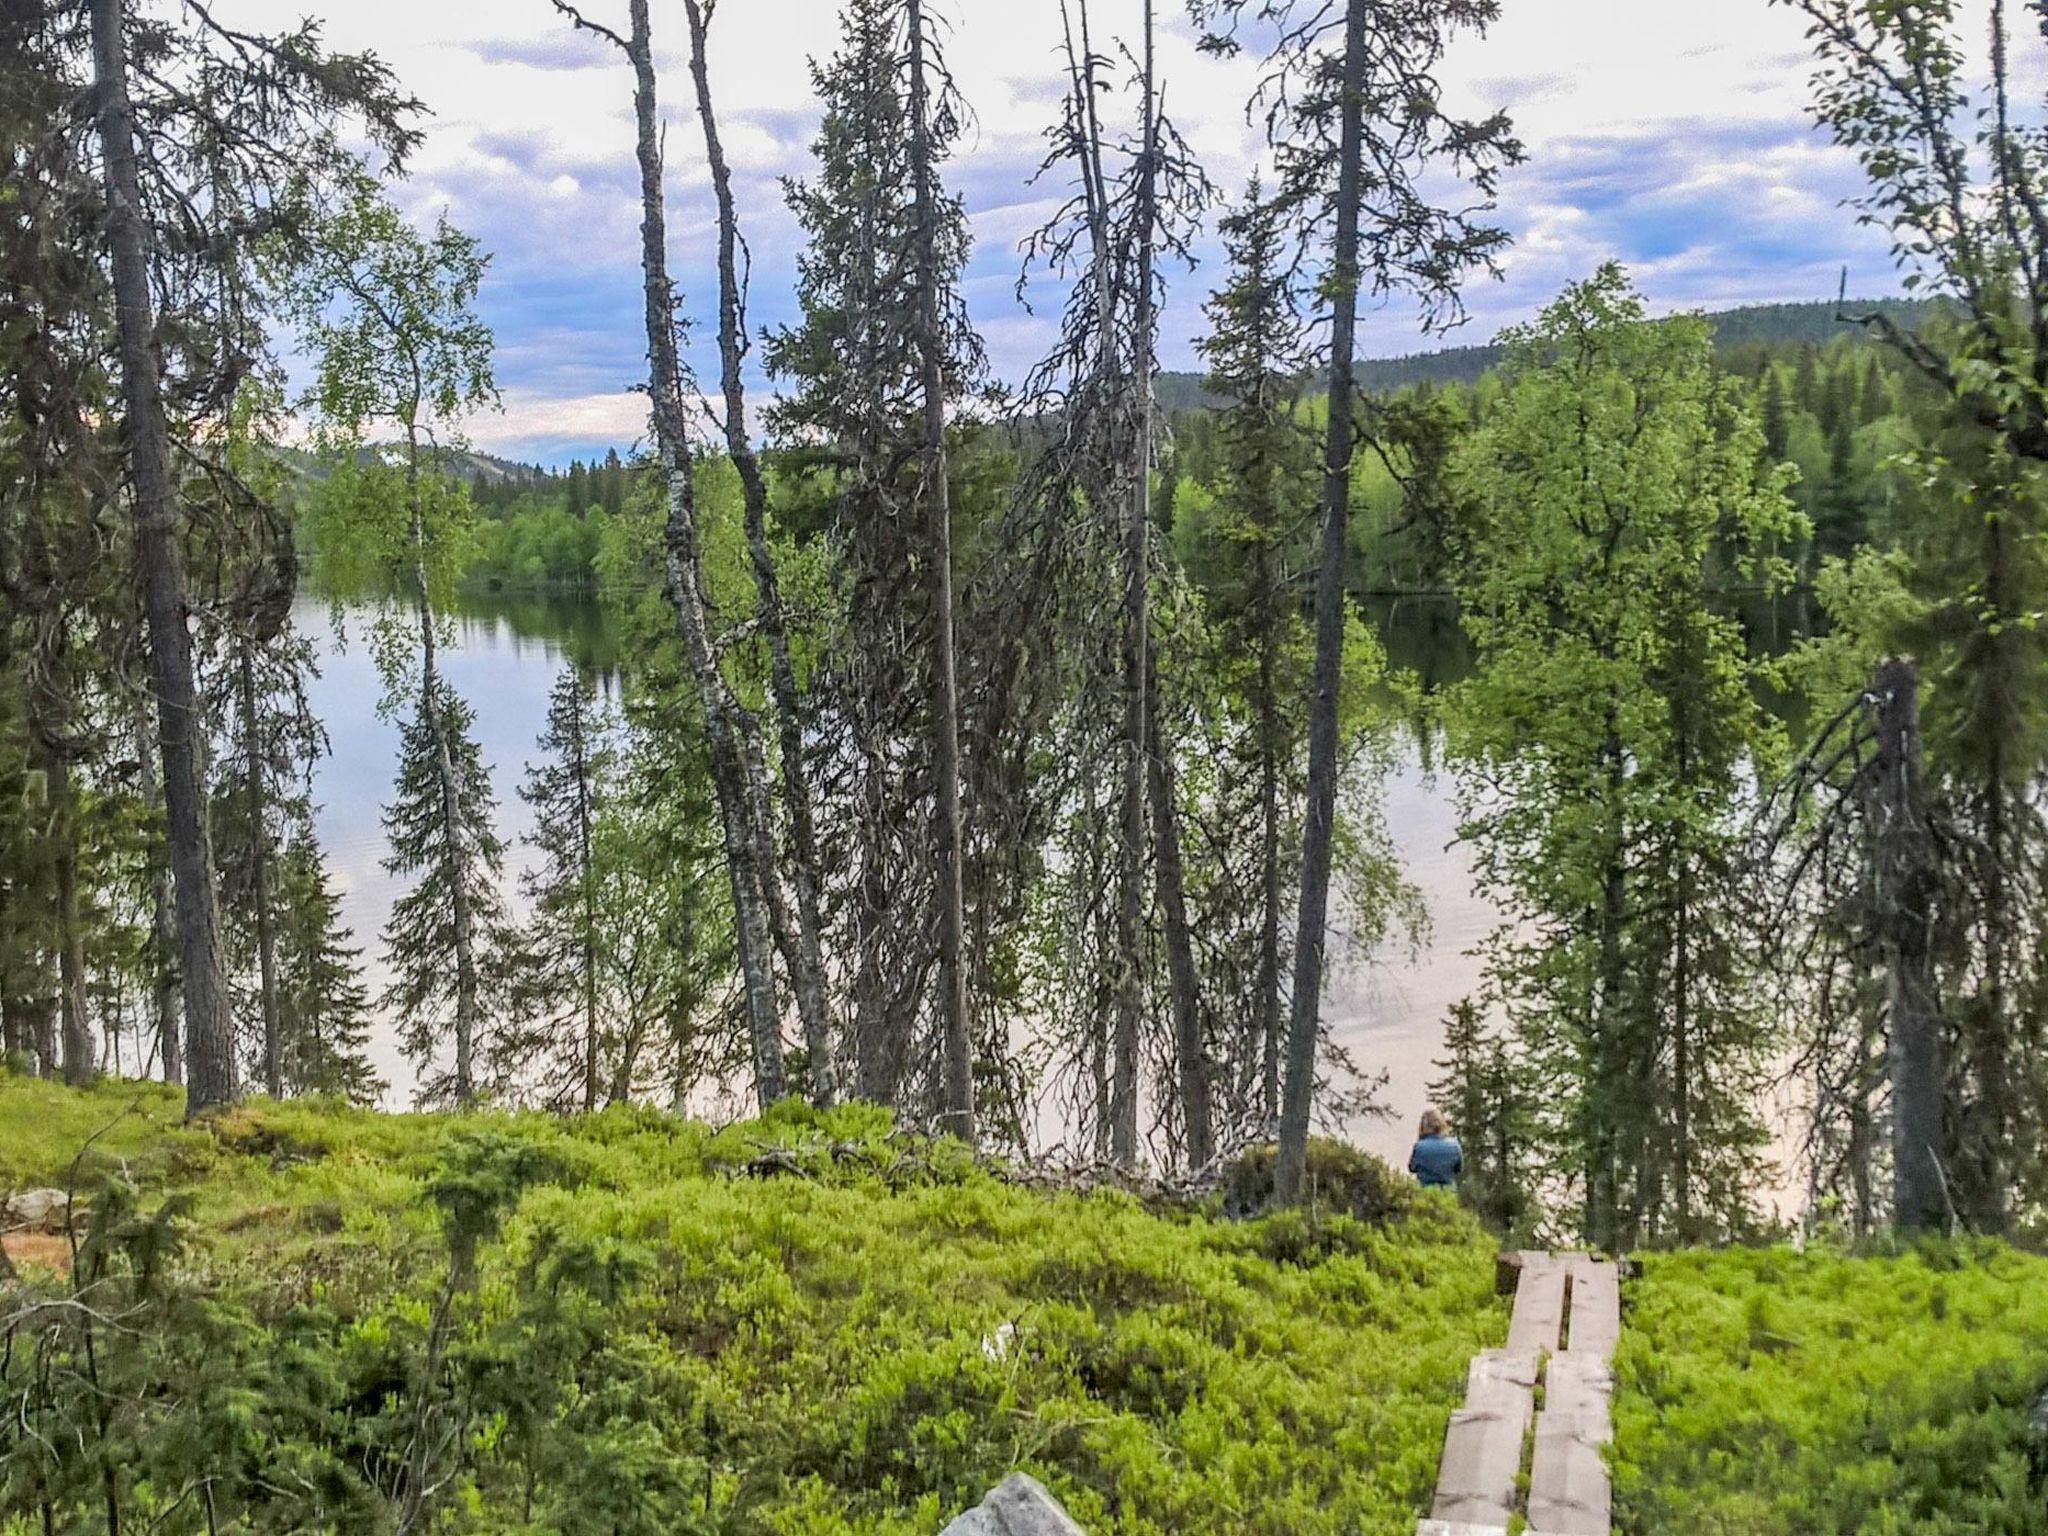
<point x="1668" y="132"/>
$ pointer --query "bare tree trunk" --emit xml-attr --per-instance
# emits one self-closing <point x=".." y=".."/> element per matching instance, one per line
<point x="1137" y="640"/>
<point x="1319" y="823"/>
<point x="957" y="1038"/>
<point x="75" y="1034"/>
<point x="683" y="579"/>
<point x="587" y="901"/>
<point x="1269" y="870"/>
<point x="210" y="1048"/>
<point x="1191" y="1056"/>
<point x="1902" y="863"/>
<point x="163" y="930"/>
<point x="259" y="874"/>
<point x="808" y="965"/>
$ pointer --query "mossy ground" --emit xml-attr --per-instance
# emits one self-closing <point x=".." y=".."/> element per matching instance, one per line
<point x="865" y="1345"/>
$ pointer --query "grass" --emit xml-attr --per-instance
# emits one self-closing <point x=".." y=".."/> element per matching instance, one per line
<point x="658" y="1340"/>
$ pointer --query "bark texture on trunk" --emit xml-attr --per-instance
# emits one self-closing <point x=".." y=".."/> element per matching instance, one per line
<point x="682" y="578"/>
<point x="1319" y="822"/>
<point x="1137" y="644"/>
<point x="807" y="961"/>
<point x="163" y="930"/>
<point x="957" y="1041"/>
<point x="1902" y="860"/>
<point x="259" y="877"/>
<point x="74" y="1032"/>
<point x="209" y="1036"/>
<point x="1191" y="1055"/>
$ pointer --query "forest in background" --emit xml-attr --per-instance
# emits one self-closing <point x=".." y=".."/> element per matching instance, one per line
<point x="1012" y="754"/>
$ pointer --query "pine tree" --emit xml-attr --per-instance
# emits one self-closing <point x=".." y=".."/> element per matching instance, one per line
<point x="1346" y="87"/>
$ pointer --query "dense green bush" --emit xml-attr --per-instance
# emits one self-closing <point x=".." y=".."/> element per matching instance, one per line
<point x="1767" y="1391"/>
<point x="633" y="1323"/>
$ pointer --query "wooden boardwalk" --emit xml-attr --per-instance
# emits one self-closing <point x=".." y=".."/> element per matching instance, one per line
<point x="1566" y="1322"/>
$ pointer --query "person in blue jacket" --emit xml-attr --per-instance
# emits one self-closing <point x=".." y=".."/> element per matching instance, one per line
<point x="1437" y="1158"/>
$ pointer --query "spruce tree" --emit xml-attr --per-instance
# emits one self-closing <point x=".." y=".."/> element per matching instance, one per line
<point x="324" y="1014"/>
<point x="566" y="999"/>
<point x="390" y="317"/>
<point x="448" y="942"/>
<point x="1356" y="115"/>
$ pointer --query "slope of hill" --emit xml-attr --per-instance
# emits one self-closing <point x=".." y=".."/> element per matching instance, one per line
<point x="1773" y="325"/>
<point x="629" y="1323"/>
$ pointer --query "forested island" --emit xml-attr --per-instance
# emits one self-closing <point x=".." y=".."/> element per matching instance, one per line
<point x="897" y="1052"/>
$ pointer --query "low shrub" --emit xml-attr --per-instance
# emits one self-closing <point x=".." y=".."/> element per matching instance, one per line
<point x="1767" y="1391"/>
<point x="630" y="1323"/>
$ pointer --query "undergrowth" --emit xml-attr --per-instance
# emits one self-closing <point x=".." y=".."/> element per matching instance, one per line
<point x="313" y="1318"/>
<point x="1766" y="1391"/>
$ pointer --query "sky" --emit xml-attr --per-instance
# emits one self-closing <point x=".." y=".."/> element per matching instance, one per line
<point x="1671" y="135"/>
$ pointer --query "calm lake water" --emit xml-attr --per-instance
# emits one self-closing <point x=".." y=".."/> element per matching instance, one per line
<point x="1388" y="1009"/>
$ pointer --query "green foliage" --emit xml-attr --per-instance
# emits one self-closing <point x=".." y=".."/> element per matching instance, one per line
<point x="652" y="1339"/>
<point x="1608" y="732"/>
<point x="1763" y="1391"/>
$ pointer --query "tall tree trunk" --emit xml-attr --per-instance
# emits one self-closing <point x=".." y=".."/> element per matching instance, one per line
<point x="586" y="884"/>
<point x="455" y="872"/>
<point x="1137" y="638"/>
<point x="1319" y="823"/>
<point x="956" y="1037"/>
<point x="683" y="579"/>
<point x="259" y="873"/>
<point x="209" y="1037"/>
<point x="1269" y="868"/>
<point x="808" y="965"/>
<point x="75" y="1034"/>
<point x="163" y="926"/>
<point x="1191" y="1056"/>
<point x="1902" y="862"/>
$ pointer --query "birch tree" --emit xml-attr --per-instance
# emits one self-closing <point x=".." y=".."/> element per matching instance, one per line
<point x="389" y="315"/>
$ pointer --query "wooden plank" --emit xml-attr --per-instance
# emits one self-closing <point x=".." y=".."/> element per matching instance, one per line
<point x="1569" y="1493"/>
<point x="1539" y="1306"/>
<point x="1596" y="1307"/>
<point x="1483" y="1442"/>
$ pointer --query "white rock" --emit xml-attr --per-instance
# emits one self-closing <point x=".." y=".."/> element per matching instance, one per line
<point x="1019" y="1506"/>
<point x="39" y="1210"/>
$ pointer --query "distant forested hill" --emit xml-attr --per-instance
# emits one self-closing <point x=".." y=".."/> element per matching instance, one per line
<point x="1768" y="325"/>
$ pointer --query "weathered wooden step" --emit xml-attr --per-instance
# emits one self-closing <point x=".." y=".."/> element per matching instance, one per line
<point x="1596" y="1307"/>
<point x="1483" y="1443"/>
<point x="1538" y="1319"/>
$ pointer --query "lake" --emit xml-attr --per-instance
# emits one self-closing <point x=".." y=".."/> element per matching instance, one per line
<point x="1387" y="1009"/>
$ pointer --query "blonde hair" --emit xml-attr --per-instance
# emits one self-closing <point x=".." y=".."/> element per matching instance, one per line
<point x="1433" y="1123"/>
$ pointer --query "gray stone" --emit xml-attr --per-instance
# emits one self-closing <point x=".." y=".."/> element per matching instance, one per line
<point x="1019" y="1506"/>
<point x="38" y="1210"/>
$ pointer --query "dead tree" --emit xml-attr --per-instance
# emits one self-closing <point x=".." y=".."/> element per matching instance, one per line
<point x="1849" y="849"/>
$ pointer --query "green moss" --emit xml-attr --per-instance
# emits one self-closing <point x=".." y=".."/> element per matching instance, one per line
<point x="1765" y="1391"/>
<point x="667" y="1333"/>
